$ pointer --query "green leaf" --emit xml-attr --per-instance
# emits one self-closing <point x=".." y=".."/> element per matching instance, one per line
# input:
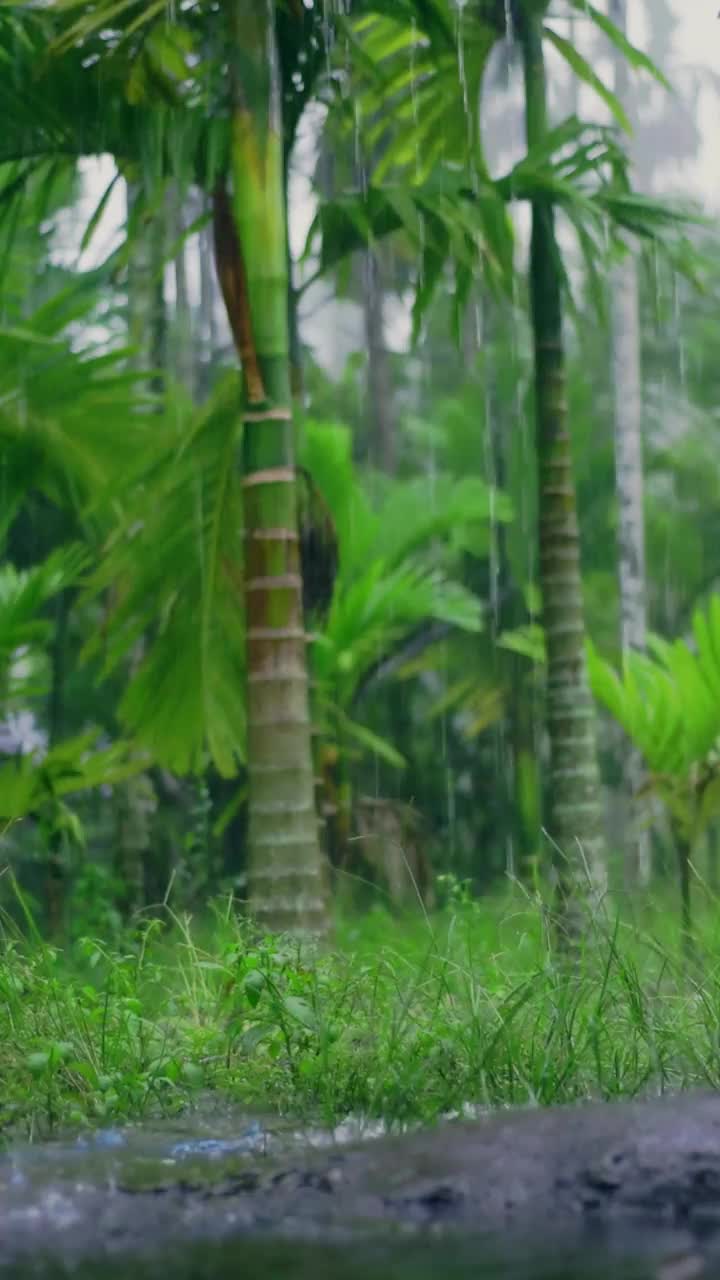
<point x="38" y="1063"/>
<point x="370" y="741"/>
<point x="301" y="1011"/>
<point x="585" y="73"/>
<point x="630" y="52"/>
<point x="254" y="984"/>
<point x="529" y="641"/>
<point x="98" y="213"/>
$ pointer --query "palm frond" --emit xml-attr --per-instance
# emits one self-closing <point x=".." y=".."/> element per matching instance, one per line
<point x="638" y="60"/>
<point x="27" y="784"/>
<point x="23" y="594"/>
<point x="176" y="563"/>
<point x="667" y="701"/>
<point x="396" y="560"/>
<point x="70" y="421"/>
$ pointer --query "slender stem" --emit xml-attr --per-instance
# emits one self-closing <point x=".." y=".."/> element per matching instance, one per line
<point x="287" y="874"/>
<point x="574" y="820"/>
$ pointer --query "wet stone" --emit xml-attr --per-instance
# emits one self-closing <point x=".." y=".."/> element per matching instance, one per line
<point x="636" y="1185"/>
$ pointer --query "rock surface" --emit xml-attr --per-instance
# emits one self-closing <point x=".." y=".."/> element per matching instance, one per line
<point x="646" y="1171"/>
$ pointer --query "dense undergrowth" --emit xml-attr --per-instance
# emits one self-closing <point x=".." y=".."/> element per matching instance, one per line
<point x="403" y="1020"/>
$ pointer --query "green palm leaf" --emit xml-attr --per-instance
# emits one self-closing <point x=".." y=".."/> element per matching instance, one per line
<point x="634" y="56"/>
<point x="22" y="596"/>
<point x="26" y="784"/>
<point x="176" y="561"/>
<point x="668" y="702"/>
<point x="69" y="421"/>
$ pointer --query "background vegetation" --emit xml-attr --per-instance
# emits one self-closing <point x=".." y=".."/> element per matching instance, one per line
<point x="368" y="570"/>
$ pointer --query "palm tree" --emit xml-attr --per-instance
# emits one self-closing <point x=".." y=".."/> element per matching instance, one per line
<point x="286" y="874"/>
<point x="573" y="167"/>
<point x="575" y="820"/>
<point x="239" y="155"/>
<point x="56" y="460"/>
<point x="669" y="706"/>
<point x="445" y="215"/>
<point x="627" y="387"/>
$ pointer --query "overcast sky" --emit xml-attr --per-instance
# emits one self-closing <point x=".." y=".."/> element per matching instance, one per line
<point x="698" y="43"/>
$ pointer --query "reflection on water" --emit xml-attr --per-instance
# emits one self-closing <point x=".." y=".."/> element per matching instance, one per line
<point x="446" y="1259"/>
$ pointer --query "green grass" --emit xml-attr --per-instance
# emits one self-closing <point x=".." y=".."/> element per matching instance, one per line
<point x="404" y="1020"/>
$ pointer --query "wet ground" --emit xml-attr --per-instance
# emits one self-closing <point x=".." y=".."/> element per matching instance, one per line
<point x="630" y="1191"/>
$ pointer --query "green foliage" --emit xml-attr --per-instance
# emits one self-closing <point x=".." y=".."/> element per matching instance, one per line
<point x="176" y="560"/>
<point x="23" y="632"/>
<point x="70" y="421"/>
<point x="180" y="579"/>
<point x="465" y="1008"/>
<point x="447" y="226"/>
<point x="145" y="489"/>
<point x="29" y="785"/>
<point x="397" y="561"/>
<point x="669" y="705"/>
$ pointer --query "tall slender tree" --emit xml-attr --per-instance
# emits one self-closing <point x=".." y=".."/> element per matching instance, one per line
<point x="206" y="350"/>
<point x="286" y="868"/>
<point x="379" y="408"/>
<point x="627" y="389"/>
<point x="574" y="820"/>
<point x="135" y="800"/>
<point x="182" y="335"/>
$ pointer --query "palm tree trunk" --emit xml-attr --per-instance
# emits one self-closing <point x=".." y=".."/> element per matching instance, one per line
<point x="286" y="872"/>
<point x="574" y="820"/>
<point x="627" y="382"/>
<point x="134" y="800"/>
<point x="55" y="870"/>
<point x="381" y="428"/>
<point x="182" y="335"/>
<point x="206" y="350"/>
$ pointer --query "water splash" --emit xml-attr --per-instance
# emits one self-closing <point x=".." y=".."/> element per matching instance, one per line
<point x="252" y="1141"/>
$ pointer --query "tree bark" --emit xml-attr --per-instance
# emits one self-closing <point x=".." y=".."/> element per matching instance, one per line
<point x="286" y="871"/>
<point x="574" y="819"/>
<point x="146" y="318"/>
<point x="55" y="870"/>
<point x="379" y="414"/>
<point x="182" y="336"/>
<point x="627" y="386"/>
<point x="207" y="347"/>
<point x="135" y="800"/>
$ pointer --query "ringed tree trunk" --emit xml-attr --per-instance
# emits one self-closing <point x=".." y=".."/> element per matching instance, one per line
<point x="574" y="823"/>
<point x="627" y="383"/>
<point x="287" y="877"/>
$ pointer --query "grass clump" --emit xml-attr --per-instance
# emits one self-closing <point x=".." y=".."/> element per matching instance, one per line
<point x="403" y="1020"/>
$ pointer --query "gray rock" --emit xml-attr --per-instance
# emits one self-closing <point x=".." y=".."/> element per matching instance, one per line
<point x="641" y="1179"/>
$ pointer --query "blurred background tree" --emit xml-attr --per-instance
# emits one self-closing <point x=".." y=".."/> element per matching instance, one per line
<point x="412" y="352"/>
